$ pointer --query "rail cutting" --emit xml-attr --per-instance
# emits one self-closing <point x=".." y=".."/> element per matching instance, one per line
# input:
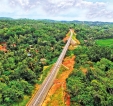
<point x="40" y="95"/>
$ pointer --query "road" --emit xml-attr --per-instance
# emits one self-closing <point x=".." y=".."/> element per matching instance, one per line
<point x="40" y="95"/>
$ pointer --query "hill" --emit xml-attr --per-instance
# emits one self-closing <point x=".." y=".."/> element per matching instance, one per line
<point x="6" y="18"/>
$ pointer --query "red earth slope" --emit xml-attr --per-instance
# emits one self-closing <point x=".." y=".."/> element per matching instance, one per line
<point x="57" y="95"/>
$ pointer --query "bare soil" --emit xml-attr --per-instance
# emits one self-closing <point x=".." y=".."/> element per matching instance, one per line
<point x="57" y="95"/>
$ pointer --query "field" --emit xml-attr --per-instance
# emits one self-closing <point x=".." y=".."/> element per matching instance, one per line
<point x="105" y="42"/>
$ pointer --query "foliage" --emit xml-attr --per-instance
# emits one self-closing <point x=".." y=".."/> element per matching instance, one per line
<point x="33" y="44"/>
<point x="93" y="88"/>
<point x="30" y="45"/>
<point x="90" y="83"/>
<point x="105" y="42"/>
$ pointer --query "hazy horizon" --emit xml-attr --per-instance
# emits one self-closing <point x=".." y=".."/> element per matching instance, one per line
<point x="67" y="10"/>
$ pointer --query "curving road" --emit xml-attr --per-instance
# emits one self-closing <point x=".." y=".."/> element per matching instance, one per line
<point x="40" y="95"/>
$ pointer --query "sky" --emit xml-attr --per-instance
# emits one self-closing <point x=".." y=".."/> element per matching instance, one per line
<point x="82" y="10"/>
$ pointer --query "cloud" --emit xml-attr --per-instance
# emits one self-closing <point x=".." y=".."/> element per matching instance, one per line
<point x="91" y="10"/>
<point x="99" y="10"/>
<point x="103" y="13"/>
<point x="4" y="7"/>
<point x="25" y="4"/>
<point x="72" y="9"/>
<point x="53" y="7"/>
<point x="60" y="5"/>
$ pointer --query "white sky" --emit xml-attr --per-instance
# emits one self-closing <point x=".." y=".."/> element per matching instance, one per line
<point x="85" y="10"/>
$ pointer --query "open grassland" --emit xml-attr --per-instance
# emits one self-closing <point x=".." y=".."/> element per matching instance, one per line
<point x="105" y="42"/>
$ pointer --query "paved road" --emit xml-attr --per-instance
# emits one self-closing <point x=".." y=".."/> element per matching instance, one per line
<point x="40" y="95"/>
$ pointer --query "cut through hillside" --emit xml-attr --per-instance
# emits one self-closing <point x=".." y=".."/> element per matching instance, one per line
<point x="57" y="94"/>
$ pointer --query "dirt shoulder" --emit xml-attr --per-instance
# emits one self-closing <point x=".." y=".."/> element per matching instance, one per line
<point x="57" y="95"/>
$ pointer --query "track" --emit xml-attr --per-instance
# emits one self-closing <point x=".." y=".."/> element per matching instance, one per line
<point x="40" y="95"/>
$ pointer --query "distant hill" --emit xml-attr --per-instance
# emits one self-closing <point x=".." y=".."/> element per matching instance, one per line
<point x="6" y="18"/>
<point x="92" y="23"/>
<point x="88" y="22"/>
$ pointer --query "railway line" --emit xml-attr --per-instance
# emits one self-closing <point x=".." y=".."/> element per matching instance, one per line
<point x="40" y="95"/>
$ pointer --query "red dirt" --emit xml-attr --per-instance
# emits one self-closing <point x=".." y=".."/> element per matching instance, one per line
<point x="66" y="38"/>
<point x="68" y="62"/>
<point x="61" y="83"/>
<point x="67" y="97"/>
<point x="3" y="48"/>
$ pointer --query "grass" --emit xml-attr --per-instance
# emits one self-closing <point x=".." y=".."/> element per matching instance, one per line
<point x="104" y="42"/>
<point x="74" y="36"/>
<point x="46" y="71"/>
<point x="61" y="69"/>
<point x="56" y="99"/>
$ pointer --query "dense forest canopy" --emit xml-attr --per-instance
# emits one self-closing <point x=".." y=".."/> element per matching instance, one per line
<point x="28" y="45"/>
<point x="91" y="82"/>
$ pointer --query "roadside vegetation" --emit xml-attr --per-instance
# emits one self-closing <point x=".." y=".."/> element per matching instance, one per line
<point x="29" y="45"/>
<point x="91" y="82"/>
<point x="26" y="46"/>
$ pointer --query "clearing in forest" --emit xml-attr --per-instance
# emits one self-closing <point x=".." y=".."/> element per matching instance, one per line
<point x="104" y="42"/>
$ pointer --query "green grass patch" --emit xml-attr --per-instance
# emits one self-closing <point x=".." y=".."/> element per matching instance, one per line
<point x="46" y="71"/>
<point x="61" y="70"/>
<point x="57" y="98"/>
<point x="74" y="36"/>
<point x="68" y="34"/>
<point x="104" y="42"/>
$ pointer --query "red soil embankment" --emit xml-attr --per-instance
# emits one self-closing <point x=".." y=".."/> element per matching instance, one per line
<point x="66" y="38"/>
<point x="68" y="62"/>
<point x="59" y="86"/>
<point x="2" y="48"/>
